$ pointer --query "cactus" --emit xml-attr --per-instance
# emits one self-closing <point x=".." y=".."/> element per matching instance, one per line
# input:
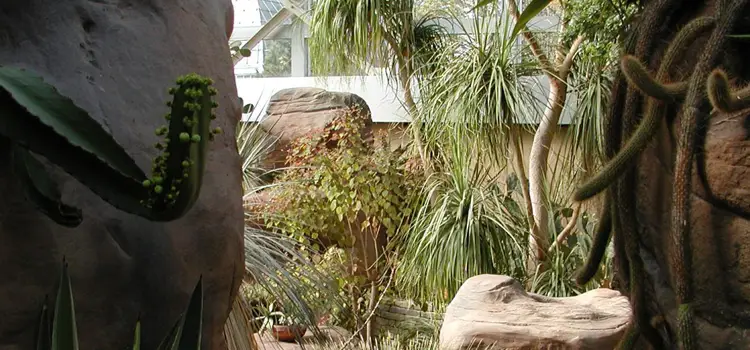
<point x="721" y="95"/>
<point x="638" y="76"/>
<point x="598" y="247"/>
<point x="685" y="327"/>
<point x="37" y="118"/>
<point x="59" y="331"/>
<point x="630" y="338"/>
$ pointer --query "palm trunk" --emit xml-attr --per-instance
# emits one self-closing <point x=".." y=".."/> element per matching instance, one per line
<point x="538" y="157"/>
<point x="411" y="106"/>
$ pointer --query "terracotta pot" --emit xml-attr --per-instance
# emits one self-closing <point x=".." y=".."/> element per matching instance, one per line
<point x="288" y="333"/>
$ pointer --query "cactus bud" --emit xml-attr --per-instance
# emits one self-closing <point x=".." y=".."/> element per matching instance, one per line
<point x="147" y="183"/>
<point x="196" y="138"/>
<point x="158" y="189"/>
<point x="184" y="137"/>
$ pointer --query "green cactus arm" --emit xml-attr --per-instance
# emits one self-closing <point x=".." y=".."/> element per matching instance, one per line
<point x="42" y="190"/>
<point x="723" y="97"/>
<point x="599" y="245"/>
<point x="178" y="172"/>
<point x="638" y="76"/>
<point x="37" y="117"/>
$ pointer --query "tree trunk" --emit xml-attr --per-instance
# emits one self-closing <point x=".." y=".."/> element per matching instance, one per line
<point x="543" y="137"/>
<point x="411" y="107"/>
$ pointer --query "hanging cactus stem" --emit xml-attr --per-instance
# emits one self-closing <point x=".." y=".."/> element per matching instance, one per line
<point x="37" y="118"/>
<point x="178" y="171"/>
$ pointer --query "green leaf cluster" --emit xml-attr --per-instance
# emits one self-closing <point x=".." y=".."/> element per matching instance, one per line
<point x="340" y="185"/>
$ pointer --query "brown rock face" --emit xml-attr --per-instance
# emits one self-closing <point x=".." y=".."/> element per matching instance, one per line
<point x="296" y="112"/>
<point x="116" y="59"/>
<point x="494" y="312"/>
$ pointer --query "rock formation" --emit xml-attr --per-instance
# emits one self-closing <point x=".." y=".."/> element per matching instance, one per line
<point x="494" y="312"/>
<point x="116" y="59"/>
<point x="295" y="112"/>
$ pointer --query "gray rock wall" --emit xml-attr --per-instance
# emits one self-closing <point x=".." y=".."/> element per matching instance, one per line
<point x="116" y="59"/>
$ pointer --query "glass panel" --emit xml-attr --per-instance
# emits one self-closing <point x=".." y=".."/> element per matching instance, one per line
<point x="277" y="58"/>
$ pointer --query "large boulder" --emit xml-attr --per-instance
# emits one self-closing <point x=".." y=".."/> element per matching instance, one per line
<point x="116" y="60"/>
<point x="494" y="312"/>
<point x="297" y="112"/>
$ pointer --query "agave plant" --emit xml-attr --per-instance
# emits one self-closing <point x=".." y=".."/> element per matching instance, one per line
<point x="37" y="118"/>
<point x="58" y="331"/>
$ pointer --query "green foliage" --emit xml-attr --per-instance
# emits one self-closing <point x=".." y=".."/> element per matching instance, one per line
<point x="349" y="36"/>
<point x="59" y="331"/>
<point x="277" y="58"/>
<point x="253" y="145"/>
<point x="603" y="23"/>
<point x="467" y="225"/>
<point x="37" y="118"/>
<point x="485" y="87"/>
<point x="340" y="185"/>
<point x="328" y="297"/>
<point x="557" y="275"/>
<point x="278" y="272"/>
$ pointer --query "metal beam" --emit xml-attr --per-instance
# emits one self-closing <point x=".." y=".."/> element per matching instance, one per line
<point x="264" y="31"/>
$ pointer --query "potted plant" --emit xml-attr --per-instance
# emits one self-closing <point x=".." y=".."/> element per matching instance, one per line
<point x="288" y="328"/>
<point x="284" y="327"/>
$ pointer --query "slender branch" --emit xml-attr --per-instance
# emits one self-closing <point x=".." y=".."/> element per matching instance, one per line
<point x="568" y="230"/>
<point x="524" y="181"/>
<point x="348" y="341"/>
<point x="536" y="48"/>
<point x="568" y="61"/>
<point x="404" y="74"/>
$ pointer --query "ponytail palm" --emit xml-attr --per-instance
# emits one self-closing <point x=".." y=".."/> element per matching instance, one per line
<point x="350" y="36"/>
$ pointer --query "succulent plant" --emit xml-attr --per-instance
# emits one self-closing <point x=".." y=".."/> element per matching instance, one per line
<point x="36" y="118"/>
<point x="58" y="331"/>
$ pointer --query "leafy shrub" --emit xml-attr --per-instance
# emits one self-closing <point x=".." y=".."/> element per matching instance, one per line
<point x="339" y="185"/>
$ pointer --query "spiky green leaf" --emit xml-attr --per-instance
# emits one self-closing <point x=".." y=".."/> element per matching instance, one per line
<point x="37" y="117"/>
<point x="44" y="329"/>
<point x="528" y="13"/>
<point x="137" y="336"/>
<point x="64" y="331"/>
<point x="192" y="324"/>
